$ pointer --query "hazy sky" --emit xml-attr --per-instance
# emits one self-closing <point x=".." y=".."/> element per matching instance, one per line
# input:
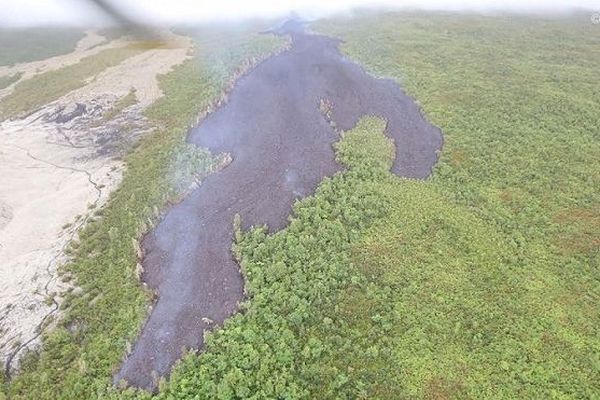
<point x="31" y="12"/>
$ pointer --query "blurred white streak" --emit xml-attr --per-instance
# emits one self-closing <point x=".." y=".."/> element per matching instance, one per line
<point x="83" y="12"/>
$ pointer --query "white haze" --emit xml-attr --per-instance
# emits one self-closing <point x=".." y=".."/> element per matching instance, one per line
<point x="82" y="12"/>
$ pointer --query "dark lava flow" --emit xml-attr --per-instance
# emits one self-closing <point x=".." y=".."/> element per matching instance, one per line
<point x="281" y="147"/>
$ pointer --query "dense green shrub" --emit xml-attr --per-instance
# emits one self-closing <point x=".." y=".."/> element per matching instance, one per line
<point x="481" y="282"/>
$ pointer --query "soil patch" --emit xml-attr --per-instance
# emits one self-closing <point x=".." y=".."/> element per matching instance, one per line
<point x="281" y="145"/>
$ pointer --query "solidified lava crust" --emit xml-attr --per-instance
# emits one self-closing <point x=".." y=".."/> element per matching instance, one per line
<point x="281" y="146"/>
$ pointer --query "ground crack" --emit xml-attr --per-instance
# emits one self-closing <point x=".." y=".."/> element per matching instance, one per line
<point x="47" y="294"/>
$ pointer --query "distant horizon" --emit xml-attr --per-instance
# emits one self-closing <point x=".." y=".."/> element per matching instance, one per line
<point x="81" y="13"/>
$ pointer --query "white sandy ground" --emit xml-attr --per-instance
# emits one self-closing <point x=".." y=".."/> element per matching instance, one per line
<point x="138" y="72"/>
<point x="45" y="186"/>
<point x="51" y="173"/>
<point x="90" y="44"/>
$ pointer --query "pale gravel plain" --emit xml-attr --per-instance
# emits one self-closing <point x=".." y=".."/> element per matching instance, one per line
<point x="55" y="175"/>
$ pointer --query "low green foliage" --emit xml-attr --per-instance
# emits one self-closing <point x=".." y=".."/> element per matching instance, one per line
<point x="389" y="288"/>
<point x="498" y="300"/>
<point x="290" y="327"/>
<point x="46" y="87"/>
<point x="80" y="355"/>
<point x="359" y="149"/>
<point x="33" y="44"/>
<point x="481" y="282"/>
<point x="7" y="80"/>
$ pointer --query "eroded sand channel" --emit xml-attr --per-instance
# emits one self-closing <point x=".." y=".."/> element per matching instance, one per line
<point x="281" y="146"/>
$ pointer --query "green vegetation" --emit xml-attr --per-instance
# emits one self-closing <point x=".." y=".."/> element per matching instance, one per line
<point x="80" y="354"/>
<point x="505" y="307"/>
<point x="282" y="344"/>
<point x="49" y="86"/>
<point x="7" y="80"/>
<point x="33" y="44"/>
<point x="481" y="282"/>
